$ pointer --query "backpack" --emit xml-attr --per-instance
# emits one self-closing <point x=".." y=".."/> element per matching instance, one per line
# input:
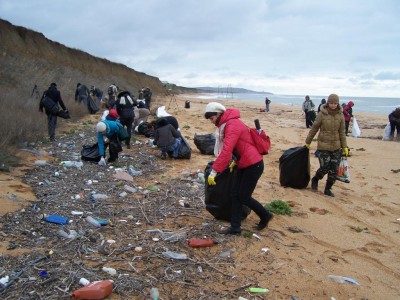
<point x="261" y="140"/>
<point x="50" y="106"/>
<point x="110" y="90"/>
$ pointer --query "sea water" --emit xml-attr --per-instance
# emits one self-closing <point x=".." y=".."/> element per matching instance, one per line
<point x="374" y="105"/>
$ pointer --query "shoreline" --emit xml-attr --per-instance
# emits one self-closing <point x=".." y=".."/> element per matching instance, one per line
<point x="297" y="103"/>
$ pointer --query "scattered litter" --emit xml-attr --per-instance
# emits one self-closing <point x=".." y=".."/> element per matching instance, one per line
<point x="341" y="279"/>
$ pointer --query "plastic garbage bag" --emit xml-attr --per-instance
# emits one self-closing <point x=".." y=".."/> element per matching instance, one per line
<point x="161" y="112"/>
<point x="90" y="153"/>
<point x="294" y="168"/>
<point x="184" y="152"/>
<point x="205" y="143"/>
<point x="218" y="197"/>
<point x="356" y="132"/>
<point x="386" y="132"/>
<point x="343" y="170"/>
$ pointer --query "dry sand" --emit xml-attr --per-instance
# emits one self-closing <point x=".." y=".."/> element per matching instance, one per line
<point x="356" y="234"/>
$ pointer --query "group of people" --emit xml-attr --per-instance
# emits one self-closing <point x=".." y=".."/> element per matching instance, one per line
<point x="235" y="148"/>
<point x="165" y="130"/>
<point x="308" y="108"/>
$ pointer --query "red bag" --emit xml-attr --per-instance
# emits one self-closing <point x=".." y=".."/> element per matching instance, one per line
<point x="261" y="140"/>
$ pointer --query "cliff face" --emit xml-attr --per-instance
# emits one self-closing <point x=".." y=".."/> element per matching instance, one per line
<point x="29" y="58"/>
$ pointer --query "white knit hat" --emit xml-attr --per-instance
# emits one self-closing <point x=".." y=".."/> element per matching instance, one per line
<point x="101" y="126"/>
<point x="215" y="107"/>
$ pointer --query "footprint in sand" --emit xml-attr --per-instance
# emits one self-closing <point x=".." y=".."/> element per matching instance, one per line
<point x="320" y="211"/>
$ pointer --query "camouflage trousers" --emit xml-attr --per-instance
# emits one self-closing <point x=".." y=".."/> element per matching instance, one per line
<point x="328" y="164"/>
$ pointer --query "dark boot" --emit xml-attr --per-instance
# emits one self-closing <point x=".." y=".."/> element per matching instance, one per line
<point x="327" y="191"/>
<point x="264" y="221"/>
<point x="314" y="183"/>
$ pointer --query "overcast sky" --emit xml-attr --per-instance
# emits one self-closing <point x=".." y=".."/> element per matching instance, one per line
<point x="295" y="47"/>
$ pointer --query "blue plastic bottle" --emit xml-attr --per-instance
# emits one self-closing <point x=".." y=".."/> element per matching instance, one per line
<point x="56" y="219"/>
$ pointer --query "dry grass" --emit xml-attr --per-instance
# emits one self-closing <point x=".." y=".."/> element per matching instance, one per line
<point x="22" y="123"/>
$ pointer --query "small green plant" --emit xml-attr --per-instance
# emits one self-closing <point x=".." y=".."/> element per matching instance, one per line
<point x="279" y="207"/>
<point x="186" y="127"/>
<point x="358" y="229"/>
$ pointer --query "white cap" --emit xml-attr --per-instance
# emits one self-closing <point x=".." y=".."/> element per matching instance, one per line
<point x="101" y="126"/>
<point x="215" y="107"/>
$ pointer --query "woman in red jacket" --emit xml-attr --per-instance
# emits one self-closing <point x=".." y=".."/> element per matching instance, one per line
<point x="234" y="139"/>
<point x="348" y="114"/>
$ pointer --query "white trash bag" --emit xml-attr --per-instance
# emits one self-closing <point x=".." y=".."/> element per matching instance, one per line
<point x="356" y="132"/>
<point x="386" y="132"/>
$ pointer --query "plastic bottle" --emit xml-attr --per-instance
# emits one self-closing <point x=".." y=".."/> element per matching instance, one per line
<point x="110" y="271"/>
<point x="201" y="242"/>
<point x="130" y="189"/>
<point x="341" y="279"/>
<point x="94" y="290"/>
<point x="98" y="197"/>
<point x="93" y="221"/>
<point x="41" y="162"/>
<point x="258" y="290"/>
<point x="56" y="219"/>
<point x="338" y="279"/>
<point x="175" y="255"/>
<point x="70" y="163"/>
<point x="84" y="281"/>
<point x="154" y="294"/>
<point x="4" y="280"/>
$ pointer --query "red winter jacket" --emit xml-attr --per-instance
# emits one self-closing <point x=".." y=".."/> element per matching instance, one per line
<point x="348" y="111"/>
<point x="236" y="136"/>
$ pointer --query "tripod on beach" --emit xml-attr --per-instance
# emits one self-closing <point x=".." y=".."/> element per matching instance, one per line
<point x="35" y="92"/>
<point x="173" y="100"/>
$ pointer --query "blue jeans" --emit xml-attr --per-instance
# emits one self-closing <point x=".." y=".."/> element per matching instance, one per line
<point x="174" y="148"/>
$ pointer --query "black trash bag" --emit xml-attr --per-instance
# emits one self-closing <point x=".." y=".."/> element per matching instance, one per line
<point x="145" y="129"/>
<point x="294" y="168"/>
<point x="90" y="153"/>
<point x="64" y="114"/>
<point x="218" y="197"/>
<point x="92" y="106"/>
<point x="184" y="152"/>
<point x="205" y="143"/>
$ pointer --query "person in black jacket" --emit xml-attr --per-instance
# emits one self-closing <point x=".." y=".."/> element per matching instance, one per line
<point x="54" y="95"/>
<point x="167" y="138"/>
<point x="82" y="94"/>
<point x="394" y="119"/>
<point x="125" y="106"/>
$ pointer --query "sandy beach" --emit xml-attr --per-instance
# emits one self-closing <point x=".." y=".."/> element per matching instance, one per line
<point x="356" y="234"/>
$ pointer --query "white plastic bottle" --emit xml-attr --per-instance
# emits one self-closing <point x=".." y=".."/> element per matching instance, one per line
<point x="336" y="278"/>
<point x="110" y="271"/>
<point x="98" y="196"/>
<point x="69" y="163"/>
<point x="93" y="221"/>
<point x="84" y="281"/>
<point x="154" y="294"/>
<point x="130" y="189"/>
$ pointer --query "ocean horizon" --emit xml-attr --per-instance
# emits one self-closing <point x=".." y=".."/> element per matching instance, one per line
<point x="374" y="105"/>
